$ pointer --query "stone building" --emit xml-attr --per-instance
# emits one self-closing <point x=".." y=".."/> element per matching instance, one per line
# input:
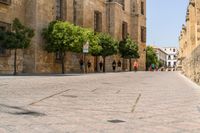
<point x="189" y="41"/>
<point x="116" y="17"/>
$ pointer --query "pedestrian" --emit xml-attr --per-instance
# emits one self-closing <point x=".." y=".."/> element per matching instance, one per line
<point x="89" y="64"/>
<point x="114" y="65"/>
<point x="100" y="65"/>
<point x="81" y="65"/>
<point x="119" y="64"/>
<point x="135" y="65"/>
<point x="153" y="67"/>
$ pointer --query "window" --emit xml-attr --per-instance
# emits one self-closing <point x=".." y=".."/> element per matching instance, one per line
<point x="169" y="57"/>
<point x="169" y="64"/>
<point x="174" y="50"/>
<point x="143" y="34"/>
<point x="123" y="5"/>
<point x="174" y="64"/>
<point x="142" y="8"/>
<point x="133" y="8"/>
<point x="75" y="12"/>
<point x="7" y="2"/>
<point x="97" y="21"/>
<point x="60" y="9"/>
<point x="124" y="30"/>
<point x="4" y="27"/>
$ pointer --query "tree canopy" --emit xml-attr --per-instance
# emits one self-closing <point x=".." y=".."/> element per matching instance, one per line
<point x="59" y="36"/>
<point x="108" y="45"/>
<point x="151" y="56"/>
<point x="128" y="48"/>
<point x="20" y="36"/>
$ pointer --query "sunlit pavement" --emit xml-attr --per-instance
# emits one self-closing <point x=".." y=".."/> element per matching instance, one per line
<point x="142" y="102"/>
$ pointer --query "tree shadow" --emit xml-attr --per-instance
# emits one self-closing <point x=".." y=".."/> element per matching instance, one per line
<point x="14" y="110"/>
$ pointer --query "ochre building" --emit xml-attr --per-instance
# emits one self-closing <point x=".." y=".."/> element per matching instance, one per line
<point x="116" y="17"/>
<point x="189" y="40"/>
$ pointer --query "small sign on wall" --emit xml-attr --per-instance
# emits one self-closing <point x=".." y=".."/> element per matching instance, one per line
<point x="86" y="47"/>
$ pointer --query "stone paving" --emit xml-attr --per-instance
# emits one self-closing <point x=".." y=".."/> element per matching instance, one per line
<point x="142" y="102"/>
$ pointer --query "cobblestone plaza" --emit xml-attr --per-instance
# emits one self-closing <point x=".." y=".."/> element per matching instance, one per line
<point x="139" y="102"/>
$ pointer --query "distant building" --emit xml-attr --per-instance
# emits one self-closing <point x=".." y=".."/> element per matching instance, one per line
<point x="171" y="59"/>
<point x="162" y="55"/>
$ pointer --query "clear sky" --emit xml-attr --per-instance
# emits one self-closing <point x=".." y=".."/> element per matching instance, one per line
<point x="164" y="21"/>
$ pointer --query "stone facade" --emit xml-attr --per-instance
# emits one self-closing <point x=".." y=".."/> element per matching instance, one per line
<point x="113" y="15"/>
<point x="189" y="41"/>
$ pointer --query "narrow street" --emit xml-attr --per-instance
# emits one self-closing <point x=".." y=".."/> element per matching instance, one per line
<point x="142" y="102"/>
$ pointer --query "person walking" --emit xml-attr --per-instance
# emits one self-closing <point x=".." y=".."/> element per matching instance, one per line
<point x="81" y="65"/>
<point x="114" y="65"/>
<point x="100" y="65"/>
<point x="153" y="66"/>
<point x="135" y="65"/>
<point x="89" y="64"/>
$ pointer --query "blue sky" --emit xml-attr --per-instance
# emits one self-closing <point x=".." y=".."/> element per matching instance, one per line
<point x="164" y="21"/>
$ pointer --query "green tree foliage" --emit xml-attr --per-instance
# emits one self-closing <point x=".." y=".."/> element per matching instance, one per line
<point x="62" y="37"/>
<point x="128" y="50"/>
<point x="94" y="47"/>
<point x="86" y="35"/>
<point x="151" y="56"/>
<point x="19" y="38"/>
<point x="160" y="64"/>
<point x="108" y="46"/>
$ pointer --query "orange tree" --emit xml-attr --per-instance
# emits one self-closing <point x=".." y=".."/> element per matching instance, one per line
<point x="128" y="50"/>
<point x="108" y="45"/>
<point x="19" y="38"/>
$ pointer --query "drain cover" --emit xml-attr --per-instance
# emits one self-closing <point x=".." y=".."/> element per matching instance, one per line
<point x="116" y="121"/>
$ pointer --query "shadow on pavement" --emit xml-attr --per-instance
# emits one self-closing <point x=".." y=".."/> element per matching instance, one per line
<point x="14" y="110"/>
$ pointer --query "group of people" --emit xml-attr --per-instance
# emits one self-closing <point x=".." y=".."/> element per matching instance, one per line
<point x="119" y="64"/>
<point x="115" y="65"/>
<point x="153" y="67"/>
<point x="82" y="66"/>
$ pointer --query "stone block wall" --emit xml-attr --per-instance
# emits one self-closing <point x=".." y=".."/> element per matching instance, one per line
<point x="191" y="66"/>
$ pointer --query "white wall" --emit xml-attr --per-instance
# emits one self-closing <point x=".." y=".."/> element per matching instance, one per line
<point x="172" y="53"/>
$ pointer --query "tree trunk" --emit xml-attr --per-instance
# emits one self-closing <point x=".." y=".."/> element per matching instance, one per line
<point x="123" y="64"/>
<point x="96" y="63"/>
<point x="130" y="65"/>
<point x="104" y="64"/>
<point x="15" y="62"/>
<point x="62" y="62"/>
